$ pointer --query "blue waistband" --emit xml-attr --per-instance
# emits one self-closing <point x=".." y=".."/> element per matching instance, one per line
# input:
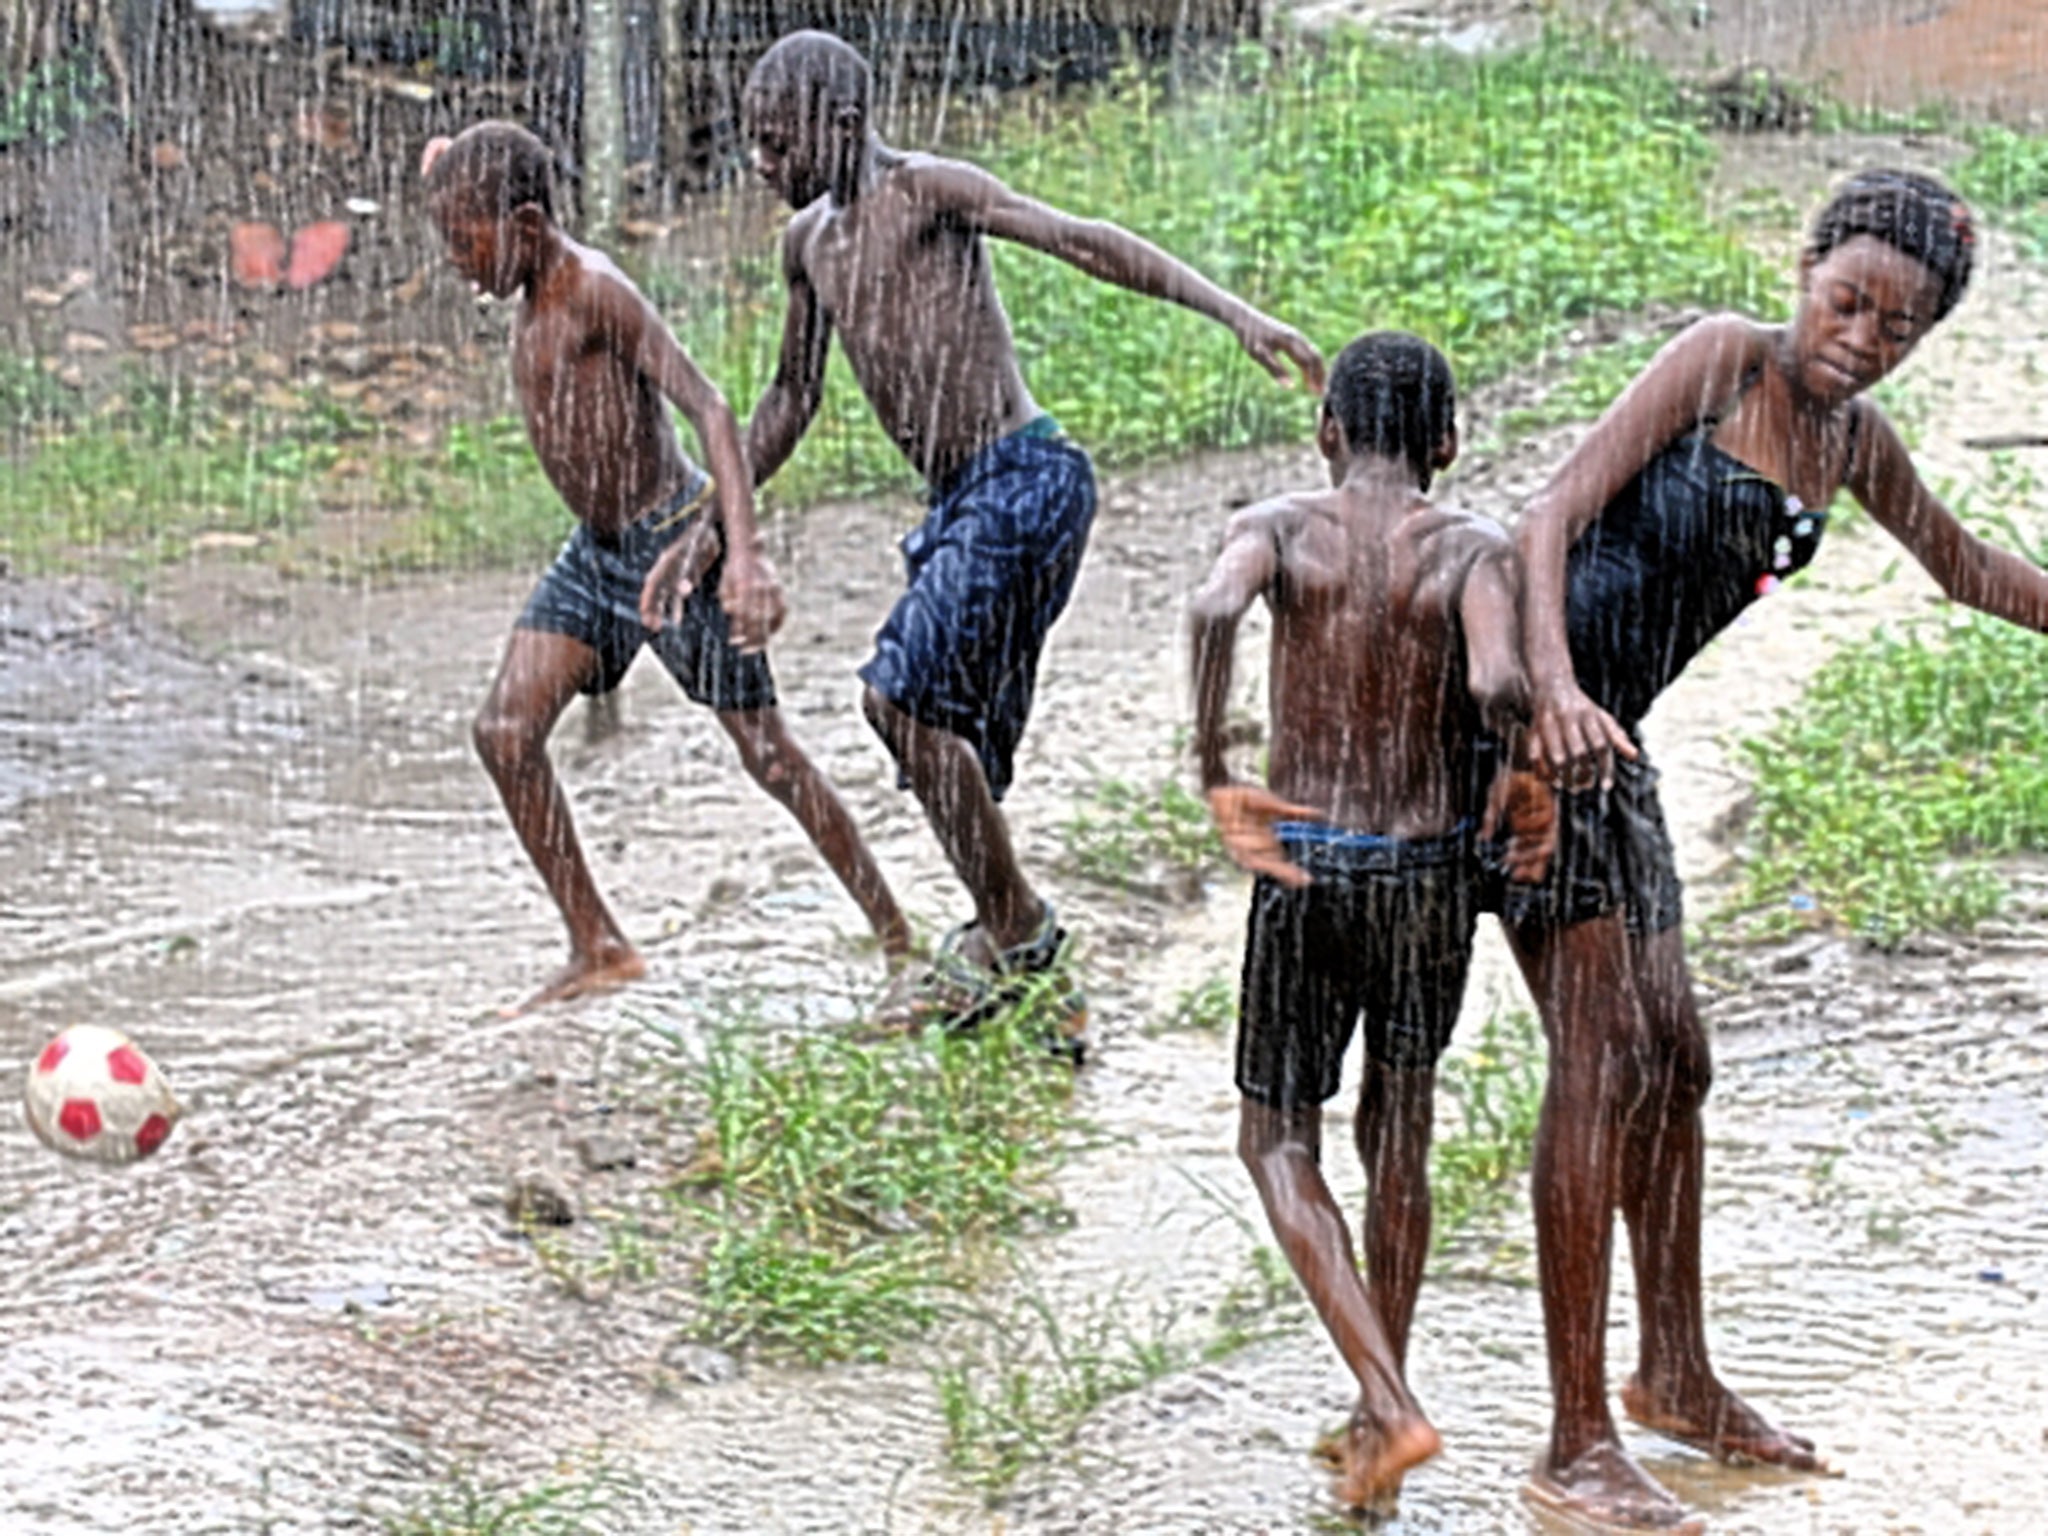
<point x="1041" y="428"/>
<point x="1321" y="835"/>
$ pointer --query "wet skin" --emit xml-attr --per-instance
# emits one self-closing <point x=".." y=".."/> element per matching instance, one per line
<point x="886" y="252"/>
<point x="1629" y="1061"/>
<point x="1375" y="592"/>
<point x="595" y="369"/>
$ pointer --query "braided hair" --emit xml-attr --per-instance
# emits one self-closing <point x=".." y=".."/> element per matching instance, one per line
<point x="1914" y="215"/>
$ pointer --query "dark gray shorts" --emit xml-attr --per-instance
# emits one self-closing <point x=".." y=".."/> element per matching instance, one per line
<point x="1613" y="855"/>
<point x="592" y="593"/>
<point x="1384" y="933"/>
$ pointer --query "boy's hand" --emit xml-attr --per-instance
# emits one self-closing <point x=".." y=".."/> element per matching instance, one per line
<point x="675" y="575"/>
<point x="751" y="596"/>
<point x="1523" y="802"/>
<point x="1269" y="341"/>
<point x="1245" y="814"/>
<point x="1574" y="741"/>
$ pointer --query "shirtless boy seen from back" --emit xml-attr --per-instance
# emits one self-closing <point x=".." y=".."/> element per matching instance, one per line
<point x="1395" y="644"/>
<point x="887" y="252"/>
<point x="596" y="369"/>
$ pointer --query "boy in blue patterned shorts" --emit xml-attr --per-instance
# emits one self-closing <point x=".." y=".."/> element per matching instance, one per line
<point x="1394" y="649"/>
<point x="596" y="369"/>
<point x="887" y="251"/>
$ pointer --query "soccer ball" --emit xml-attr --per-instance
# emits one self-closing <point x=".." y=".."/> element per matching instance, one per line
<point x="91" y="1093"/>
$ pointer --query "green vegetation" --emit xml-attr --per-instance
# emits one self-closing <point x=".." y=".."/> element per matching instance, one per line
<point x="1125" y="834"/>
<point x="1019" y="1396"/>
<point x="52" y="101"/>
<point x="1341" y="183"/>
<point x="2007" y="176"/>
<point x="1495" y="1093"/>
<point x="583" y="1505"/>
<point x="843" y="1189"/>
<point x="1912" y="761"/>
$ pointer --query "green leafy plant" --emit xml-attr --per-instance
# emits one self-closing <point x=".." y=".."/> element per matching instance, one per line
<point x="1912" y="761"/>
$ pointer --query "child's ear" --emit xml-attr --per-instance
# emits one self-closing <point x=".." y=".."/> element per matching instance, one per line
<point x="1329" y="436"/>
<point x="529" y="222"/>
<point x="1446" y="453"/>
<point x="437" y="146"/>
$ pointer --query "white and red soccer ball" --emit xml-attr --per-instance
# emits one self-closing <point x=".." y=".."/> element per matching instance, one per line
<point x="91" y="1093"/>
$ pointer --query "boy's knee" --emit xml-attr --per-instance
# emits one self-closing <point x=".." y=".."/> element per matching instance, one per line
<point x="501" y="739"/>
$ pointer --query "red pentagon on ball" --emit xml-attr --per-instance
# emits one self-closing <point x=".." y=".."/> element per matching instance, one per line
<point x="125" y="1065"/>
<point x="150" y="1135"/>
<point x="79" y="1119"/>
<point x="53" y="1053"/>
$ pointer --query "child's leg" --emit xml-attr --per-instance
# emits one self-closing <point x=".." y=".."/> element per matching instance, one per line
<point x="1674" y="1389"/>
<point x="540" y="674"/>
<point x="1583" y="981"/>
<point x="1395" y="1113"/>
<point x="780" y="766"/>
<point x="947" y="778"/>
<point x="1282" y="1149"/>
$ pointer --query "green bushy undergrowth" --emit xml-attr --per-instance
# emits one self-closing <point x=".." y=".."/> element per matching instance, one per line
<point x="1912" y="761"/>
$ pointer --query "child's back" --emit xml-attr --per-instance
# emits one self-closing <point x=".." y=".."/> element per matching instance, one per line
<point x="1372" y="709"/>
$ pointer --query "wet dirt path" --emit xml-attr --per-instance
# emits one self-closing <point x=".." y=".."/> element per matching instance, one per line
<point x="265" y="849"/>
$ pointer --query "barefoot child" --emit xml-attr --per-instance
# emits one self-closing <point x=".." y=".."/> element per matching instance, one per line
<point x="1703" y="487"/>
<point x="1394" y="643"/>
<point x="595" y="367"/>
<point x="887" y="251"/>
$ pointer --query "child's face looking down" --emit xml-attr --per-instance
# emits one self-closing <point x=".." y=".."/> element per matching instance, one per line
<point x="484" y="250"/>
<point x="1863" y="307"/>
<point x="790" y="151"/>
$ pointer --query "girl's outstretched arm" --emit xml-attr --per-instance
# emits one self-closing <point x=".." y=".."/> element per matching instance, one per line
<point x="1969" y="569"/>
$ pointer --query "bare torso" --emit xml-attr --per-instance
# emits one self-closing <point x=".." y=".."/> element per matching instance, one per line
<point x="1371" y="719"/>
<point x="908" y="289"/>
<point x="598" y="423"/>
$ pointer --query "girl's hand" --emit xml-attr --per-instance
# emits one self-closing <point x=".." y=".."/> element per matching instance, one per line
<point x="1573" y="741"/>
<point x="675" y="575"/>
<point x="1245" y="814"/>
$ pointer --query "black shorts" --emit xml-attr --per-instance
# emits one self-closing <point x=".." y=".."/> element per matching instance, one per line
<point x="1385" y="930"/>
<point x="1613" y="855"/>
<point x="592" y="593"/>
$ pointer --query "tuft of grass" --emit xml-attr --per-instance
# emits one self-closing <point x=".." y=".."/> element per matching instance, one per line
<point x="2007" y="176"/>
<point x="1914" y="759"/>
<point x="843" y="1191"/>
<point x="1124" y="833"/>
<point x="1495" y="1095"/>
<point x="581" y="1505"/>
<point x="1209" y="1007"/>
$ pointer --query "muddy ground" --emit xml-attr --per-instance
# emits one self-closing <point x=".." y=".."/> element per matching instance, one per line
<point x="240" y="818"/>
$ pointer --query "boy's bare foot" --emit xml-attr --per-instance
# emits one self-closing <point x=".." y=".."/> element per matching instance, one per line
<point x="583" y="975"/>
<point x="1723" y="1426"/>
<point x="1604" y="1493"/>
<point x="1370" y="1464"/>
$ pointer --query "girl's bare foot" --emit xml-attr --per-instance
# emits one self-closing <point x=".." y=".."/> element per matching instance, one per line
<point x="1604" y="1493"/>
<point x="1722" y="1425"/>
<point x="609" y="968"/>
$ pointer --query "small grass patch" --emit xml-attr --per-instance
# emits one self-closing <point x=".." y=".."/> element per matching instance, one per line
<point x="2007" y="176"/>
<point x="584" y="1504"/>
<point x="1914" y="760"/>
<point x="1021" y="1395"/>
<point x="1125" y="835"/>
<point x="1494" y="1094"/>
<point x="845" y="1191"/>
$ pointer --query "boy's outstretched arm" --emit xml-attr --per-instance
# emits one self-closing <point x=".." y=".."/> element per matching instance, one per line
<point x="1115" y="255"/>
<point x="749" y="592"/>
<point x="1244" y="813"/>
<point x="791" y="400"/>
